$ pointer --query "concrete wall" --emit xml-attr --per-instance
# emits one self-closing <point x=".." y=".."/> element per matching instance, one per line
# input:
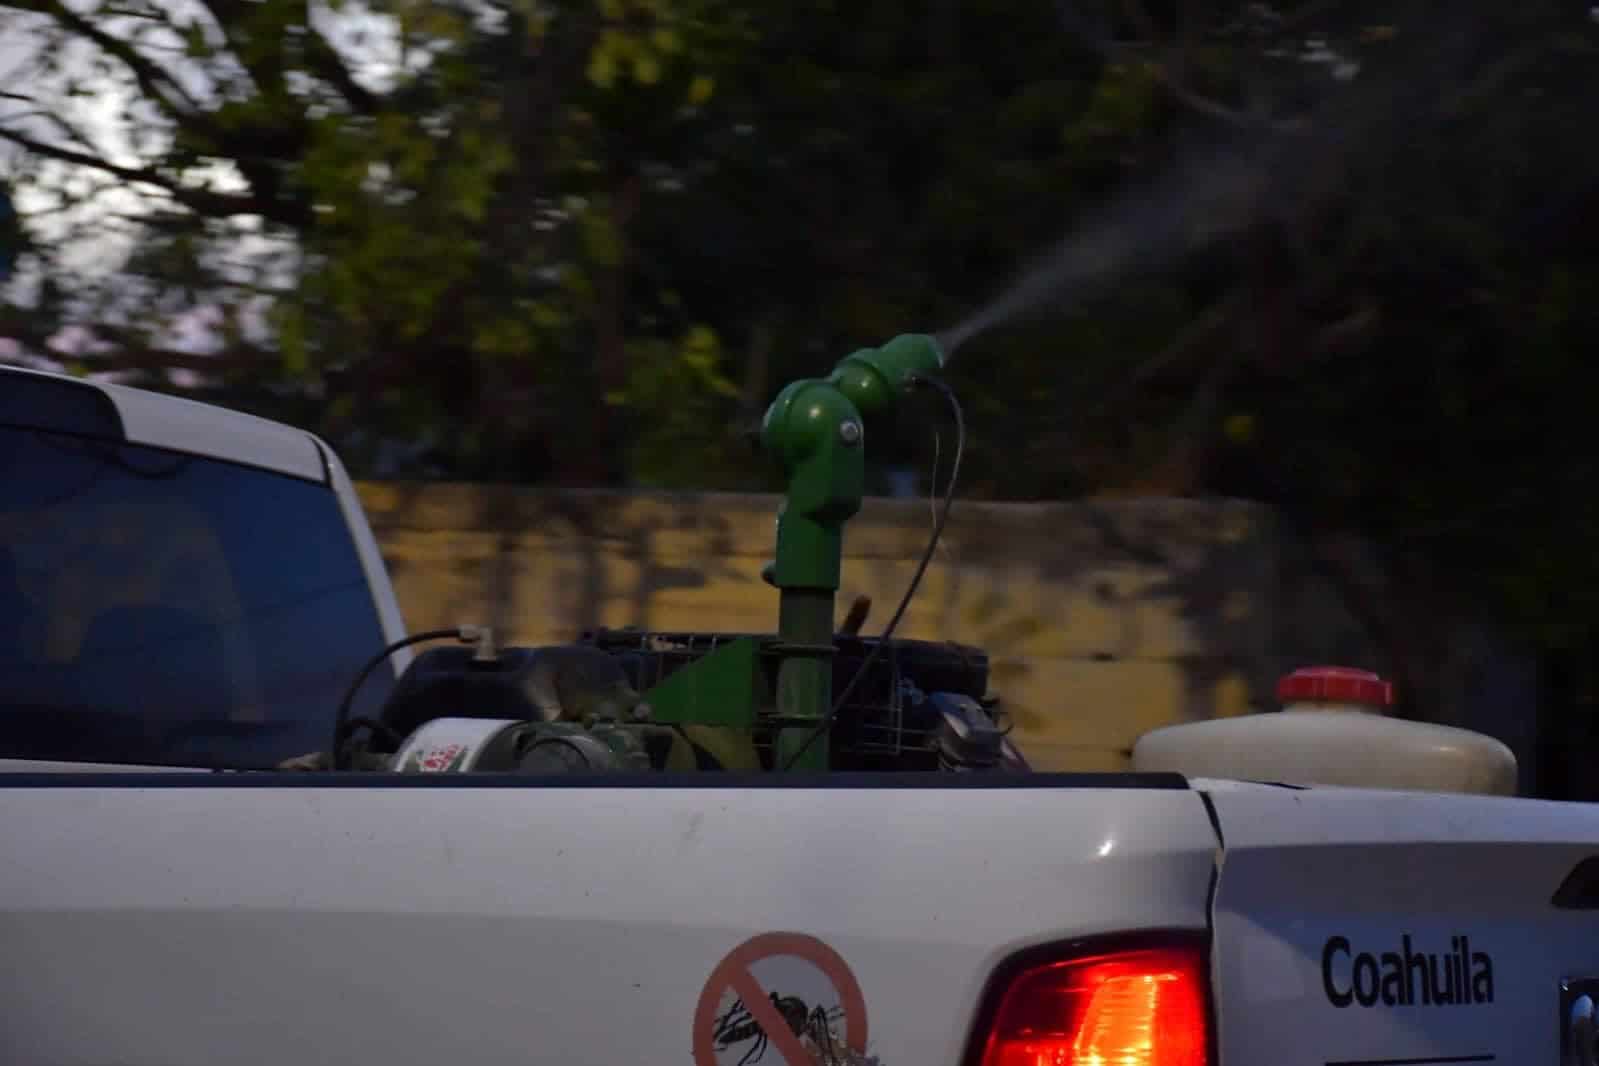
<point x="1101" y="621"/>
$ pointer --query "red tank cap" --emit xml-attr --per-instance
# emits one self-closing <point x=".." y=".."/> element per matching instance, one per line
<point x="1335" y="684"/>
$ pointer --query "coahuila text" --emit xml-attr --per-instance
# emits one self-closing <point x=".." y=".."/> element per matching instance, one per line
<point x="1406" y="977"/>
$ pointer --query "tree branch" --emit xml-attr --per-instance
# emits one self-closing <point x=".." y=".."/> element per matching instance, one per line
<point x="1192" y="339"/>
<point x="267" y="68"/>
<point x="202" y="201"/>
<point x="1343" y="335"/>
<point x="1178" y="467"/>
<point x="150" y="76"/>
<point x="243" y="145"/>
<point x="62" y="126"/>
<point x="1140" y="18"/>
<point x="1195" y="339"/>
<point x="149" y="359"/>
<point x="1166" y="71"/>
<point x="324" y="61"/>
<point x="129" y="353"/>
<point x="260" y="64"/>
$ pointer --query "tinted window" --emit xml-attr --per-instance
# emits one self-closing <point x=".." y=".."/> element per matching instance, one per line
<point x="166" y="609"/>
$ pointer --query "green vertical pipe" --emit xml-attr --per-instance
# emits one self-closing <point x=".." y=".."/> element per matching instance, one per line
<point x="805" y="673"/>
<point x="816" y="432"/>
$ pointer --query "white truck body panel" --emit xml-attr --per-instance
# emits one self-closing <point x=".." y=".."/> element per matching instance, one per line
<point x="163" y="421"/>
<point x="366" y="546"/>
<point x="492" y="926"/>
<point x="1343" y="873"/>
<point x="262" y="920"/>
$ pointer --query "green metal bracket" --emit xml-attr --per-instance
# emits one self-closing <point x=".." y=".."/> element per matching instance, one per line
<point x="719" y="689"/>
<point x="715" y="700"/>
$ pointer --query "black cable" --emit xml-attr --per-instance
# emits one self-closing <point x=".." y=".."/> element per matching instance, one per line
<point x="916" y="579"/>
<point x="376" y="728"/>
<point x="455" y="633"/>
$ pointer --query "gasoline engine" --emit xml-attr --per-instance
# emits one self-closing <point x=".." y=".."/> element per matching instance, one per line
<point x="810" y="697"/>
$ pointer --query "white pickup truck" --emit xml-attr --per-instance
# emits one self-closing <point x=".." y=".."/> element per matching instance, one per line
<point x="187" y="592"/>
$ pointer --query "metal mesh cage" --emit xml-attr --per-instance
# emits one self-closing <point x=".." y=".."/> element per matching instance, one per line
<point x="888" y="722"/>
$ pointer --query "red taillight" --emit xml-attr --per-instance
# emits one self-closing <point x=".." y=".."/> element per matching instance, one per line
<point x="1132" y="1008"/>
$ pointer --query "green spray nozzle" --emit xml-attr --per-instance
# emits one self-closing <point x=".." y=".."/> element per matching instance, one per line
<point x="816" y="429"/>
<point x="872" y="376"/>
<point x="811" y="416"/>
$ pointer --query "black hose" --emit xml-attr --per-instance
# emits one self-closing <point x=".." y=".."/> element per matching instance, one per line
<point x="334" y="753"/>
<point x="916" y="579"/>
<point x="376" y="728"/>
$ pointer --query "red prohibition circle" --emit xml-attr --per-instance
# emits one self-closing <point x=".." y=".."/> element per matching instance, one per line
<point x="735" y="972"/>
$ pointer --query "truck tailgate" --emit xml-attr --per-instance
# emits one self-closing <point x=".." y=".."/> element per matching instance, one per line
<point x="1390" y="929"/>
<point x="165" y="920"/>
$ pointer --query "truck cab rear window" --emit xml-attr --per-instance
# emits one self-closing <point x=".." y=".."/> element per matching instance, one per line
<point x="166" y="609"/>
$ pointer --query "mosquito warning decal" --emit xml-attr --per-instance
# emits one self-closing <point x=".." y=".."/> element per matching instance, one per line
<point x="781" y="999"/>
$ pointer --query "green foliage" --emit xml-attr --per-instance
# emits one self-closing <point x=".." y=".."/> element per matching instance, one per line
<point x="586" y="240"/>
<point x="680" y="399"/>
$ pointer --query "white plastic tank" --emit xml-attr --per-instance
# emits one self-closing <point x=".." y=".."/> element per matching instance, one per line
<point x="1333" y="730"/>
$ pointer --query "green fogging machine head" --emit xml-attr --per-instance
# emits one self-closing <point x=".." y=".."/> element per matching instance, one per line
<point x="815" y="429"/>
<point x="633" y="700"/>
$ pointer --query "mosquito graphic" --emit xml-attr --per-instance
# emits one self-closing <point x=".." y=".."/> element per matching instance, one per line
<point x="737" y="1025"/>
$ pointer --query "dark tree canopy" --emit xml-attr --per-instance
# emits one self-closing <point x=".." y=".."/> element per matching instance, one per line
<point x="1335" y="256"/>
